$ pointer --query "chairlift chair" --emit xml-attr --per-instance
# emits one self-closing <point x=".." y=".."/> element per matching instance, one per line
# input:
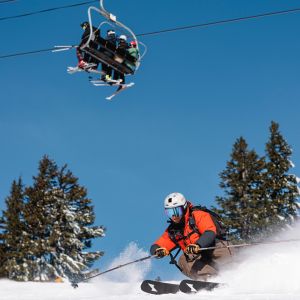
<point x="110" y="57"/>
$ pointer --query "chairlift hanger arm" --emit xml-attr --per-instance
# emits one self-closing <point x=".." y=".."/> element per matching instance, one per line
<point x="111" y="18"/>
<point x="106" y="14"/>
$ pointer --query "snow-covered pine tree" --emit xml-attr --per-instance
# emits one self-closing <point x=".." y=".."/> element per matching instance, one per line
<point x="2" y="258"/>
<point x="2" y="246"/>
<point x="243" y="205"/>
<point x="280" y="185"/>
<point x="76" y="219"/>
<point x="59" y="217"/>
<point x="14" y="234"/>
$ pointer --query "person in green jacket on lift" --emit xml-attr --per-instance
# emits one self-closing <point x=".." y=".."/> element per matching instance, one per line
<point x="134" y="52"/>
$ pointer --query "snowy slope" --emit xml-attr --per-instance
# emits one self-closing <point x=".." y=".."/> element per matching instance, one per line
<point x="266" y="272"/>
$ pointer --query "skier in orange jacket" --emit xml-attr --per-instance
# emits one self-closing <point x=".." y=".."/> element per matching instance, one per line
<point x="190" y="230"/>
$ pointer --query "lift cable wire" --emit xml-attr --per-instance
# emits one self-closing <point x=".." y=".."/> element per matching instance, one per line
<point x="45" y="10"/>
<point x="5" y="1"/>
<point x="222" y="21"/>
<point x="29" y="52"/>
<point x="173" y="29"/>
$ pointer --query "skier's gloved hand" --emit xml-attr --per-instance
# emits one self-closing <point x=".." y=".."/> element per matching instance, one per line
<point x="161" y="252"/>
<point x="192" y="249"/>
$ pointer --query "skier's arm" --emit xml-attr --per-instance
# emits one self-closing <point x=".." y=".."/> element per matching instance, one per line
<point x="163" y="242"/>
<point x="207" y="239"/>
<point x="206" y="228"/>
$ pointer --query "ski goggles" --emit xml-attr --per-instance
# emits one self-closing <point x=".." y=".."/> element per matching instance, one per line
<point x="174" y="212"/>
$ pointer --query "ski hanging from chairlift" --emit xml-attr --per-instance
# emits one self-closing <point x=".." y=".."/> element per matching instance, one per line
<point x="113" y="53"/>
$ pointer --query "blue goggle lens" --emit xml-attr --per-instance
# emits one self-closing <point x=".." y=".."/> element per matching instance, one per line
<point x="174" y="212"/>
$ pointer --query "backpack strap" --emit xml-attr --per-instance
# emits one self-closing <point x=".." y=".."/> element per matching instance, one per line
<point x="173" y="260"/>
<point x="192" y="224"/>
<point x="172" y="236"/>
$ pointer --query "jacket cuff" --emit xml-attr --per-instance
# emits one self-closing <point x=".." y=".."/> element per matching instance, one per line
<point x="153" y="248"/>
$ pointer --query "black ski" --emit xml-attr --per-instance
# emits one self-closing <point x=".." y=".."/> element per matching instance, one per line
<point x="194" y="286"/>
<point x="159" y="288"/>
<point x="185" y="286"/>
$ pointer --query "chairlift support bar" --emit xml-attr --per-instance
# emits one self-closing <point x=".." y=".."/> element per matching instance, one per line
<point x="109" y="61"/>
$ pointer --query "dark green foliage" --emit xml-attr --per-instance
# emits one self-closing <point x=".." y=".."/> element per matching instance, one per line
<point x="14" y="233"/>
<point x="280" y="186"/>
<point x="54" y="222"/>
<point x="260" y="196"/>
<point x="242" y="181"/>
<point x="2" y="259"/>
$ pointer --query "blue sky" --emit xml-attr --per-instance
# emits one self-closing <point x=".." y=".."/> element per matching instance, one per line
<point x="196" y="92"/>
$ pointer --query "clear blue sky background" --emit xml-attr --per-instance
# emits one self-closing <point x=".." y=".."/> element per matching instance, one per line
<point x="196" y="92"/>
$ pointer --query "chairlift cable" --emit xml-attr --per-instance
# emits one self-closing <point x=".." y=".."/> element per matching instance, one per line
<point x="281" y="12"/>
<point x="29" y="52"/>
<point x="294" y="10"/>
<point x="6" y="1"/>
<point x="45" y="10"/>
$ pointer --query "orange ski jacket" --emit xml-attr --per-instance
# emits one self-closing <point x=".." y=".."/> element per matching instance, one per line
<point x="187" y="235"/>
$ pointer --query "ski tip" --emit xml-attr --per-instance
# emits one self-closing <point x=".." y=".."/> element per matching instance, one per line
<point x="158" y="287"/>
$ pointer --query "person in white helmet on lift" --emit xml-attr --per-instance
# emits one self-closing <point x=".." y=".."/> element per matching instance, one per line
<point x="121" y="51"/>
<point x="190" y="230"/>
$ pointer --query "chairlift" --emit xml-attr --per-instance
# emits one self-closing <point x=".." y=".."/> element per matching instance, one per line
<point x="114" y="60"/>
<point x="96" y="48"/>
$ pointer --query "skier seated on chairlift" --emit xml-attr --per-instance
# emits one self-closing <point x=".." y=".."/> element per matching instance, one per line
<point x="126" y="54"/>
<point x="133" y="52"/>
<point x="110" y="44"/>
<point x="190" y="230"/>
<point x="85" y="59"/>
<point x="121" y="50"/>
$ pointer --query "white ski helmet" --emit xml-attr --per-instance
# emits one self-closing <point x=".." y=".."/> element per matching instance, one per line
<point x="175" y="200"/>
<point x="123" y="37"/>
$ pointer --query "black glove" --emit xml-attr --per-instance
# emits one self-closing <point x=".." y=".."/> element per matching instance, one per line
<point x="192" y="249"/>
<point x="161" y="252"/>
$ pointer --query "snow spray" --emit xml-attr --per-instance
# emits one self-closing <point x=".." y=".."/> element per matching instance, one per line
<point x="134" y="272"/>
<point x="268" y="269"/>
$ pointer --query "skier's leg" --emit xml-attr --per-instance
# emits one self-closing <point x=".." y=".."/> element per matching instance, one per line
<point x="81" y="56"/>
<point x="94" y="61"/>
<point x="109" y="71"/>
<point x="222" y="255"/>
<point x="116" y="75"/>
<point x="104" y="70"/>
<point x="78" y="54"/>
<point x="199" y="268"/>
<point x="122" y="77"/>
<point x="86" y="57"/>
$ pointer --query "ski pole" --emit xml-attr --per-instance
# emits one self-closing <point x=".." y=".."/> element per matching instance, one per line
<point x="251" y="244"/>
<point x="75" y="283"/>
